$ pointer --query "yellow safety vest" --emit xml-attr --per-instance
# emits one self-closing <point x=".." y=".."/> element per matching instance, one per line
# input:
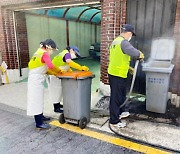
<point x="35" y="61"/>
<point x="118" y="61"/>
<point x="58" y="60"/>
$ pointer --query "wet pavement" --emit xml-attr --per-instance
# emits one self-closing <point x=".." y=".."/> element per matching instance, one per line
<point x="141" y="125"/>
<point x="138" y="111"/>
<point x="18" y="136"/>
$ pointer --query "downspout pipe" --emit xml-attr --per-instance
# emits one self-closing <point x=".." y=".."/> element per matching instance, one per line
<point x="17" y="44"/>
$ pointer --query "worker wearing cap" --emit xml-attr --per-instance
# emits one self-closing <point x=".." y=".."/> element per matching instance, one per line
<point x="64" y="60"/>
<point x="38" y="67"/>
<point x="119" y="64"/>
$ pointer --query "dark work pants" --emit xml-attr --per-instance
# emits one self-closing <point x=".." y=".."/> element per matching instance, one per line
<point x="117" y="97"/>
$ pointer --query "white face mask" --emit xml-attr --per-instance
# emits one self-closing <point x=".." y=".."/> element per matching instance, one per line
<point x="73" y="56"/>
<point x="129" y="38"/>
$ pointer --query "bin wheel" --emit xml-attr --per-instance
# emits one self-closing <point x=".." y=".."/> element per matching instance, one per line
<point x="83" y="122"/>
<point x="61" y="118"/>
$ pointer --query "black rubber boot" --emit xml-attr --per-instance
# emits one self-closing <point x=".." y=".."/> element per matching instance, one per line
<point x="57" y="108"/>
<point x="39" y="122"/>
<point x="46" y="118"/>
<point x="38" y="119"/>
<point x="43" y="126"/>
<point x="61" y="106"/>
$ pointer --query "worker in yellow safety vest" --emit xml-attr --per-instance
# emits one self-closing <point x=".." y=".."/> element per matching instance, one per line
<point x="119" y="64"/>
<point x="64" y="61"/>
<point x="38" y="67"/>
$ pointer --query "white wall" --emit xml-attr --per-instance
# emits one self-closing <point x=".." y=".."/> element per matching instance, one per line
<point x="40" y="28"/>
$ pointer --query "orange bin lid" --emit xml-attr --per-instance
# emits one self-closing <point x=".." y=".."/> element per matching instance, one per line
<point x="76" y="74"/>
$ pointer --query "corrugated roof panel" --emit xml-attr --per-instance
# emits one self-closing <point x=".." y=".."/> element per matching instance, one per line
<point x="74" y="12"/>
<point x="82" y="13"/>
<point x="56" y="13"/>
<point x="86" y="16"/>
<point x="97" y="18"/>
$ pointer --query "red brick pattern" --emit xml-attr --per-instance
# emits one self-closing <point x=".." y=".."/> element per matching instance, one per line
<point x="22" y="39"/>
<point x="8" y="44"/>
<point x="9" y="54"/>
<point x="113" y="16"/>
<point x="7" y="34"/>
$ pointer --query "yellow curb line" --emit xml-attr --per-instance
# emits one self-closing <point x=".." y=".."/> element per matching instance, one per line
<point x="110" y="139"/>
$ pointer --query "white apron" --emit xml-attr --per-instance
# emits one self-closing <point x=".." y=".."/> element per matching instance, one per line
<point x="35" y="96"/>
<point x="55" y="88"/>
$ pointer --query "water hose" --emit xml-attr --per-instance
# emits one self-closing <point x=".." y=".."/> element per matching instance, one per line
<point x="125" y="102"/>
<point x="131" y="88"/>
<point x="132" y="84"/>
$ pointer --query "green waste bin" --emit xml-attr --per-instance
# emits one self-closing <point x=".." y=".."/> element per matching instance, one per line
<point x="76" y="90"/>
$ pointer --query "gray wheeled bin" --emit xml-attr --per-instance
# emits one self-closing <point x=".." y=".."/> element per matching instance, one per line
<point x="158" y="70"/>
<point x="76" y="90"/>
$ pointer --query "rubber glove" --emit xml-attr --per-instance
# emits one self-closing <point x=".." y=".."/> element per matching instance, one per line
<point x="74" y="65"/>
<point x="131" y="70"/>
<point x="5" y="73"/>
<point x="84" y="68"/>
<point x="60" y="73"/>
<point x="141" y="55"/>
<point x="69" y="70"/>
<point x="50" y="72"/>
<point x="77" y="66"/>
<point x="56" y="70"/>
<point x="2" y="69"/>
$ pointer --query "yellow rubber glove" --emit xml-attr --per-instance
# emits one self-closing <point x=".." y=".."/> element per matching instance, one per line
<point x="77" y="66"/>
<point x="56" y="70"/>
<point x="69" y="70"/>
<point x="74" y="65"/>
<point x="141" y="55"/>
<point x="131" y="70"/>
<point x="5" y="73"/>
<point x="50" y="72"/>
<point x="84" y="68"/>
<point x="2" y="69"/>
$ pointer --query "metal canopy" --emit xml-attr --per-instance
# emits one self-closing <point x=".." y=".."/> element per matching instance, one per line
<point x="81" y="13"/>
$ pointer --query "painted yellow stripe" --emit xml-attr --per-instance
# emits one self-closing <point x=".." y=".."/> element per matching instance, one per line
<point x="110" y="139"/>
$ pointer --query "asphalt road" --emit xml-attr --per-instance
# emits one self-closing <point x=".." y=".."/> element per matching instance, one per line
<point x="18" y="136"/>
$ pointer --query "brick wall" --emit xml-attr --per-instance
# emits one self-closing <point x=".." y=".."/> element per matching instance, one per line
<point x="2" y="39"/>
<point x="8" y="46"/>
<point x="9" y="54"/>
<point x="22" y="39"/>
<point x="2" y="47"/>
<point x="175" y="82"/>
<point x="113" y="16"/>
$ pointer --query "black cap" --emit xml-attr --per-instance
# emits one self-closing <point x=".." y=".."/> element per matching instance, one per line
<point x="129" y="28"/>
<point x="50" y="43"/>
